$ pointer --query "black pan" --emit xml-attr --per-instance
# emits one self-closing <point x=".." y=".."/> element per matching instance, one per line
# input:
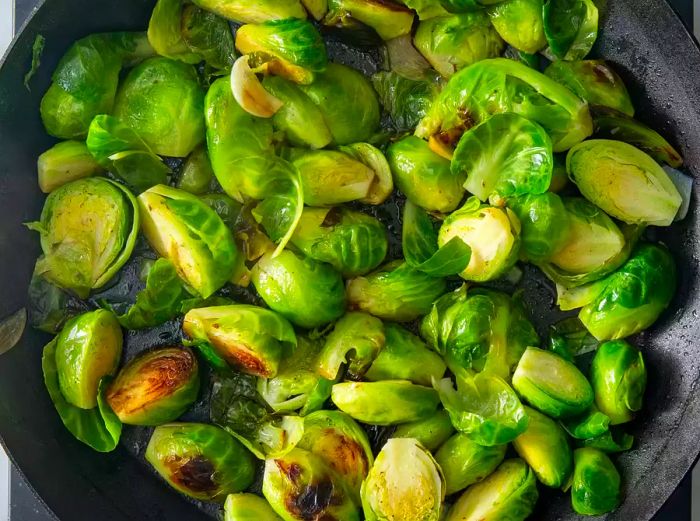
<point x="659" y="61"/>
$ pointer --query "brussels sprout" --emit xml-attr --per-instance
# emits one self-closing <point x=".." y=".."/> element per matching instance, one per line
<point x="484" y="407"/>
<point x="88" y="348"/>
<point x="301" y="121"/>
<point x="619" y="379"/>
<point x="520" y="23"/>
<point x="84" y="83"/>
<point x="405" y="100"/>
<point x="300" y="485"/>
<point x="65" y="162"/>
<point x="388" y="19"/>
<point x="591" y="424"/>
<point x="492" y="234"/>
<point x="571" y="27"/>
<point x="544" y="225"/>
<point x="341" y="443"/>
<point x="424" y="176"/>
<point x="404" y="484"/>
<point x="382" y="185"/>
<point x="405" y="357"/>
<point x="352" y="242"/>
<point x="596" y="485"/>
<point x="306" y="292"/>
<point x="183" y="229"/>
<point x="385" y="403"/>
<point x="464" y="462"/>
<point x="201" y="461"/>
<point x="247" y="12"/>
<point x="551" y="384"/>
<point x="88" y="229"/>
<point x="505" y="156"/>
<point x="395" y="292"/>
<point x="453" y="42"/>
<point x="347" y="101"/>
<point x="611" y="441"/>
<point x="430" y="432"/>
<point x="249" y="338"/>
<point x="509" y="493"/>
<point x="248" y="507"/>
<point x="165" y="32"/>
<point x="162" y="101"/>
<point x="501" y="85"/>
<point x="156" y="387"/>
<point x="197" y="176"/>
<point x="624" y="181"/>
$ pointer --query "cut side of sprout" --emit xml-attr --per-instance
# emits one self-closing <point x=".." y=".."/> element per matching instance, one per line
<point x="249" y="92"/>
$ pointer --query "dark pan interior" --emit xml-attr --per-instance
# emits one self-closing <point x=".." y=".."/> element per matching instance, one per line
<point x="661" y="65"/>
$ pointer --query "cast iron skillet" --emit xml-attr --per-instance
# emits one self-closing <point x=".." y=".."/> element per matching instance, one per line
<point x="660" y="63"/>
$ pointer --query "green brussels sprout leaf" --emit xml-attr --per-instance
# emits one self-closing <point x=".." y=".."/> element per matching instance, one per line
<point x="571" y="27"/>
<point x="590" y="425"/>
<point x="405" y="100"/>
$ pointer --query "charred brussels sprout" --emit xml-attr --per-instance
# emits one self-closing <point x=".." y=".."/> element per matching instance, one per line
<point x="545" y="448"/>
<point x="88" y="229"/>
<point x="88" y="348"/>
<point x="306" y="292"/>
<point x="249" y="338"/>
<point x="248" y="507"/>
<point x="247" y="12"/>
<point x="465" y="462"/>
<point x="162" y="101"/>
<point x="492" y="233"/>
<point x="451" y="43"/>
<point x="352" y="242"/>
<point x="155" y="387"/>
<point x="544" y="225"/>
<point x="183" y="229"/>
<point x="201" y="461"/>
<point x="395" y="292"/>
<point x="65" y="162"/>
<point x="624" y="181"/>
<point x="551" y="384"/>
<point x="520" y="23"/>
<point x="300" y="485"/>
<point x="405" y="100"/>
<point x="571" y="27"/>
<point x="389" y="402"/>
<point x="404" y="484"/>
<point x="509" y="493"/>
<point x="596" y="485"/>
<point x="619" y="379"/>
<point x="388" y="19"/>
<point x="424" y="176"/>
<point x="430" y="432"/>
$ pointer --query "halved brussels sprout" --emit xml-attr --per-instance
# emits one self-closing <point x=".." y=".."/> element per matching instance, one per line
<point x="357" y="338"/>
<point x="382" y="185"/>
<point x="509" y="493"/>
<point x="431" y="432"/>
<point x="395" y="292"/>
<point x="505" y="156"/>
<point x="424" y="176"/>
<point x="183" y="229"/>
<point x="405" y="357"/>
<point x="596" y="485"/>
<point x="249" y="338"/>
<point x="624" y="181"/>
<point x="162" y="101"/>
<point x="465" y="462"/>
<point x="88" y="229"/>
<point x="571" y="27"/>
<point x="388" y="19"/>
<point x="156" y="387"/>
<point x="247" y="12"/>
<point x="341" y="443"/>
<point x="201" y="461"/>
<point x="306" y="292"/>
<point x="248" y="507"/>
<point x="451" y="43"/>
<point x="551" y="384"/>
<point x="594" y="81"/>
<point x="545" y="448"/>
<point x="300" y="485"/>
<point x="545" y="225"/>
<point x="619" y="379"/>
<point x="389" y="402"/>
<point x="520" y="23"/>
<point x="197" y="175"/>
<point x="404" y="484"/>
<point x="405" y="100"/>
<point x="65" y="162"/>
<point x="347" y="101"/>
<point x="87" y="349"/>
<point x="492" y="233"/>
<point x="352" y="242"/>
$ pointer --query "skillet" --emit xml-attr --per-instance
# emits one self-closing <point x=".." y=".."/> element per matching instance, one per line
<point x="648" y="46"/>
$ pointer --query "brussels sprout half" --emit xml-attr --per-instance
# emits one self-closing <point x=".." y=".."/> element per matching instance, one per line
<point x="544" y="223"/>
<point x="404" y="484"/>
<point x="65" y="162"/>
<point x="520" y="23"/>
<point x="156" y="387"/>
<point x="596" y="485"/>
<point x="430" y="432"/>
<point x="199" y="460"/>
<point x="465" y="462"/>
<point x="247" y="12"/>
<point x="248" y="507"/>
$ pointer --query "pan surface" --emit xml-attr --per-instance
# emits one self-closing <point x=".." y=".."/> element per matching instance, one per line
<point x="660" y="63"/>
